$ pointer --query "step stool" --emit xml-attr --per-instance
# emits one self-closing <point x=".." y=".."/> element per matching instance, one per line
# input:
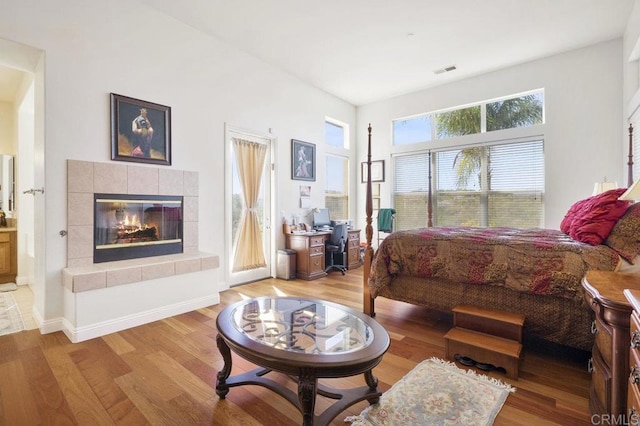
<point x="486" y="336"/>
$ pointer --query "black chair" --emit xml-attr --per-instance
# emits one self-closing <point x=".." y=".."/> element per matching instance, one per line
<point x="335" y="246"/>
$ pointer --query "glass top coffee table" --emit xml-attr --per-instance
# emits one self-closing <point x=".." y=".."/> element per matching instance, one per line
<point x="306" y="339"/>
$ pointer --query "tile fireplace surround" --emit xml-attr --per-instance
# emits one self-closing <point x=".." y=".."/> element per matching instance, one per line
<point x="89" y="287"/>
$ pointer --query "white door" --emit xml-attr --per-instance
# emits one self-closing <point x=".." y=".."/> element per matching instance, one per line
<point x="248" y="206"/>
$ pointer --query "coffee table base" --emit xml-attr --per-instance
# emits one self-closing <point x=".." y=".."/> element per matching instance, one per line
<point x="308" y="388"/>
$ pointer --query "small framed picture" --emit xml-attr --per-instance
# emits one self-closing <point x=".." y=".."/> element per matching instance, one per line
<point x="375" y="190"/>
<point x="303" y="160"/>
<point x="305" y="190"/>
<point x="140" y="131"/>
<point x="377" y="171"/>
<point x="376" y="203"/>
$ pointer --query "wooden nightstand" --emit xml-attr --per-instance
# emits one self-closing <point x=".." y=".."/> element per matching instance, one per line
<point x="609" y="364"/>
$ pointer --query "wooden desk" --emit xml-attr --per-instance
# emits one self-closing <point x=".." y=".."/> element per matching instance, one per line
<point x="310" y="249"/>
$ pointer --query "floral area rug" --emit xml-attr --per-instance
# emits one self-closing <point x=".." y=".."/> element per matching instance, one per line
<point x="10" y="316"/>
<point x="436" y="392"/>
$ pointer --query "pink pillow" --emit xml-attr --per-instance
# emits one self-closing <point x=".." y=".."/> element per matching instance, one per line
<point x="593" y="219"/>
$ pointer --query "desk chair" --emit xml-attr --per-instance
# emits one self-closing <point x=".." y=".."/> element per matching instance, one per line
<point x="336" y="245"/>
<point x="386" y="219"/>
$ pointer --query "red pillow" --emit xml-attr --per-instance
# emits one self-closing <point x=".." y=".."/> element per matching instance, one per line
<point x="595" y="217"/>
<point x="565" y="225"/>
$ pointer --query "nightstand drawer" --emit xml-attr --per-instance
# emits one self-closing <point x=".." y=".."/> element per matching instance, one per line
<point x="634" y="362"/>
<point x="634" y="339"/>
<point x="634" y="374"/>
<point x="600" y="380"/>
<point x="603" y="340"/>
<point x="633" y="403"/>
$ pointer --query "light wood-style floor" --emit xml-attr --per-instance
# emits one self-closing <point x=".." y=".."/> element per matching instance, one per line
<point x="163" y="373"/>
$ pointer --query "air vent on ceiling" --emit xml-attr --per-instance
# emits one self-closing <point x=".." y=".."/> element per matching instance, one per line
<point x="446" y="69"/>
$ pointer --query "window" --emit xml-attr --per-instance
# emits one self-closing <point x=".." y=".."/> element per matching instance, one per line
<point x="499" y="185"/>
<point x="334" y="134"/>
<point x="336" y="194"/>
<point x="520" y="111"/>
<point x="515" y="111"/>
<point x="483" y="182"/>
<point x="413" y="130"/>
<point x="490" y="185"/>
<point x="336" y="191"/>
<point x="411" y="186"/>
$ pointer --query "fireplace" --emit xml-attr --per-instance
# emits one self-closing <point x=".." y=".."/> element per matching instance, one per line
<point x="134" y="226"/>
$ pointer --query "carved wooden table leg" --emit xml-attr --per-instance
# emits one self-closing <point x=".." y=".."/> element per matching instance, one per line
<point x="372" y="382"/>
<point x="221" y="388"/>
<point x="307" y="387"/>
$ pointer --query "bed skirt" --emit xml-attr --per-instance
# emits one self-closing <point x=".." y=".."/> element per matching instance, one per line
<point x="555" y="319"/>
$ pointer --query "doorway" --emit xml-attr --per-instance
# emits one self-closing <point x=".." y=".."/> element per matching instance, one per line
<point x="248" y="206"/>
<point x="20" y="95"/>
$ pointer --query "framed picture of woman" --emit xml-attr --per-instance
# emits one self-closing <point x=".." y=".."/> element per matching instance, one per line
<point x="303" y="160"/>
<point x="140" y="131"/>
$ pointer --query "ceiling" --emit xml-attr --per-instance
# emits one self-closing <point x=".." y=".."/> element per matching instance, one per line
<point x="363" y="51"/>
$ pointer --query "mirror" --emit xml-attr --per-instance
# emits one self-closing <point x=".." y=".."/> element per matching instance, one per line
<point x="7" y="185"/>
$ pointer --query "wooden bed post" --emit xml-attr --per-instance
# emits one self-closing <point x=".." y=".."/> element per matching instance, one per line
<point x="430" y="196"/>
<point x="367" y="301"/>
<point x="630" y="163"/>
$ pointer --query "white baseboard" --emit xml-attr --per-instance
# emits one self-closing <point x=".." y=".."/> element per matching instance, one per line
<point x="80" y="334"/>
<point x="49" y="326"/>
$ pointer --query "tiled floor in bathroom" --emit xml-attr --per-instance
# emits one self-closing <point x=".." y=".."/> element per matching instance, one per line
<point x="24" y="298"/>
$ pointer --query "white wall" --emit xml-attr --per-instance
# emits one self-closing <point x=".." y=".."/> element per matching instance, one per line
<point x="630" y="56"/>
<point x="92" y="48"/>
<point x="583" y="133"/>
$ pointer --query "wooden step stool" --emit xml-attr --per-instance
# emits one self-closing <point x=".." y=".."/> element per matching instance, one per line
<point x="486" y="336"/>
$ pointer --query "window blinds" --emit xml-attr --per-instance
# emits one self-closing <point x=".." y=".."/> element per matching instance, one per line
<point x="503" y="186"/>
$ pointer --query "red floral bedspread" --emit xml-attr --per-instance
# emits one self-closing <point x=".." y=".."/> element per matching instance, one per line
<point x="538" y="261"/>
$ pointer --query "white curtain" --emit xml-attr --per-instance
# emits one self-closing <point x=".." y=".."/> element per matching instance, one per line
<point x="250" y="157"/>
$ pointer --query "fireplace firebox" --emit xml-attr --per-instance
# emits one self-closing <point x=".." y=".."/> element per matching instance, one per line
<point x="134" y="226"/>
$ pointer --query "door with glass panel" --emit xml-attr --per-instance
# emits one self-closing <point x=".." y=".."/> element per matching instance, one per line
<point x="248" y="206"/>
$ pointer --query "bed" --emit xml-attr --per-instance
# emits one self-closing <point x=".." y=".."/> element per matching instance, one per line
<point x="536" y="272"/>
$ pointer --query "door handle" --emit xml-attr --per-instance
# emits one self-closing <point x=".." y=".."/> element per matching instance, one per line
<point x="33" y="191"/>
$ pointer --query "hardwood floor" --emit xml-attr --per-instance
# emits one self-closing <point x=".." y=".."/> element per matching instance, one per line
<point x="164" y="372"/>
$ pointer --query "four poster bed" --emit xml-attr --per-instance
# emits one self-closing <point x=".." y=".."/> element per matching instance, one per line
<point x="536" y="272"/>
